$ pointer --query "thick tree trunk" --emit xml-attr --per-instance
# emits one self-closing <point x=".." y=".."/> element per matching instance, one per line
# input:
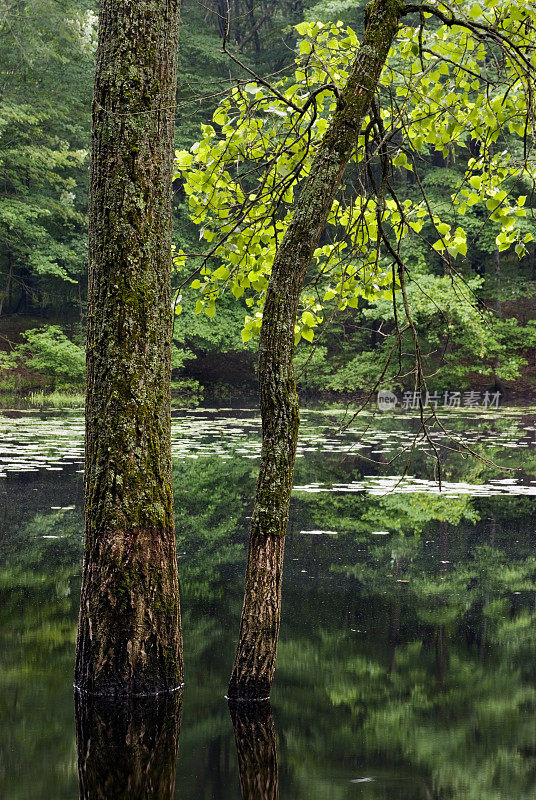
<point x="259" y="629"/>
<point x="129" y="639"/>
<point x="128" y="749"/>
<point x="256" y="749"/>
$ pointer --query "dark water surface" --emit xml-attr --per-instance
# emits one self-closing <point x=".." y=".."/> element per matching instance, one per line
<point x="407" y="662"/>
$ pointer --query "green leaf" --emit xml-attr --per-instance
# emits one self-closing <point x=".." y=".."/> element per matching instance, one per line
<point x="475" y="11"/>
<point x="221" y="274"/>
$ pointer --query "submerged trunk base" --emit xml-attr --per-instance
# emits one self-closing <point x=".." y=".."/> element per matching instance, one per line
<point x="129" y="631"/>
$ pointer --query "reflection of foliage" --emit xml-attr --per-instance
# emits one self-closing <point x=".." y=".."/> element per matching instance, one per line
<point x="361" y="514"/>
<point x="407" y="657"/>
<point x="434" y="673"/>
<point x="448" y="733"/>
<point x="38" y="629"/>
<point x="210" y="504"/>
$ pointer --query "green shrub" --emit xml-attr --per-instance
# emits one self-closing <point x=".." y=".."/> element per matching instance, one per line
<point x="49" y="352"/>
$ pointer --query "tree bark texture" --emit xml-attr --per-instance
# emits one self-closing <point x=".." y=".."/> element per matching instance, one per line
<point x="256" y="748"/>
<point x="254" y="665"/>
<point x="127" y="749"/>
<point x="129" y="639"/>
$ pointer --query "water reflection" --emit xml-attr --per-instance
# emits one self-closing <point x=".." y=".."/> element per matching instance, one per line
<point x="407" y="660"/>
<point x="393" y="453"/>
<point x="428" y="672"/>
<point x="127" y="750"/>
<point x="253" y="725"/>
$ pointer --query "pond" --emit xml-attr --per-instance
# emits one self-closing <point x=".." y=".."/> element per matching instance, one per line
<point x="407" y="661"/>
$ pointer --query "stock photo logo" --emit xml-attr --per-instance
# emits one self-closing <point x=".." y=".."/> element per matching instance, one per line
<point x="388" y="401"/>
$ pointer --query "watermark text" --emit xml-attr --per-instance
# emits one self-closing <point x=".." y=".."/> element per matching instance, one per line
<point x="449" y="399"/>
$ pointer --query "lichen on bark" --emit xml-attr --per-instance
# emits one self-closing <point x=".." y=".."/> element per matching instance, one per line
<point x="129" y="639"/>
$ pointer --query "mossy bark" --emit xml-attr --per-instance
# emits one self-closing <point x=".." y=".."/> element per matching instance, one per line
<point x="127" y="749"/>
<point x="256" y="748"/>
<point x="129" y="639"/>
<point x="259" y="629"/>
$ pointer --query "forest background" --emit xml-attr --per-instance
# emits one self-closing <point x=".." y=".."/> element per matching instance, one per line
<point x="47" y="53"/>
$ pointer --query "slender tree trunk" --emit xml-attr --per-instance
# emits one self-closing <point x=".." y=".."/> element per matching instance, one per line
<point x="253" y="32"/>
<point x="498" y="311"/>
<point x="6" y="295"/>
<point x="128" y="749"/>
<point x="237" y="20"/>
<point x="254" y="665"/>
<point x="442" y="654"/>
<point x="222" y="12"/>
<point x="129" y="639"/>
<point x="498" y="302"/>
<point x="256" y="748"/>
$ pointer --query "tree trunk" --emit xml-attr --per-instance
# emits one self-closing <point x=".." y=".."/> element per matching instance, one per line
<point x="5" y="297"/>
<point x="259" y="629"/>
<point x="256" y="748"/>
<point x="129" y="639"/>
<point x="498" y="302"/>
<point x="127" y="750"/>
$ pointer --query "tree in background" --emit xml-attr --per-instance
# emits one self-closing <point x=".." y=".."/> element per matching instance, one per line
<point x="129" y="638"/>
<point x="46" y="66"/>
<point x="46" y="70"/>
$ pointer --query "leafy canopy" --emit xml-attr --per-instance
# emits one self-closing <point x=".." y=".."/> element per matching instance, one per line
<point x="459" y="90"/>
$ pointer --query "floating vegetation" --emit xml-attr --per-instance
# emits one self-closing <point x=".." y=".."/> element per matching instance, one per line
<point x="54" y="441"/>
<point x="408" y="484"/>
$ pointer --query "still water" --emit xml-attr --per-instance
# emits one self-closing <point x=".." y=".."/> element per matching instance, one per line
<point x="407" y="660"/>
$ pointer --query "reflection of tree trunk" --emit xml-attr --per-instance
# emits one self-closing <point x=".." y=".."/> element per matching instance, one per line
<point x="441" y="634"/>
<point x="442" y="655"/>
<point x="443" y="549"/>
<point x="128" y="749"/>
<point x="482" y="647"/>
<point x="427" y="791"/>
<point x="254" y="665"/>
<point x="394" y="617"/>
<point x="254" y="730"/>
<point x="5" y="296"/>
